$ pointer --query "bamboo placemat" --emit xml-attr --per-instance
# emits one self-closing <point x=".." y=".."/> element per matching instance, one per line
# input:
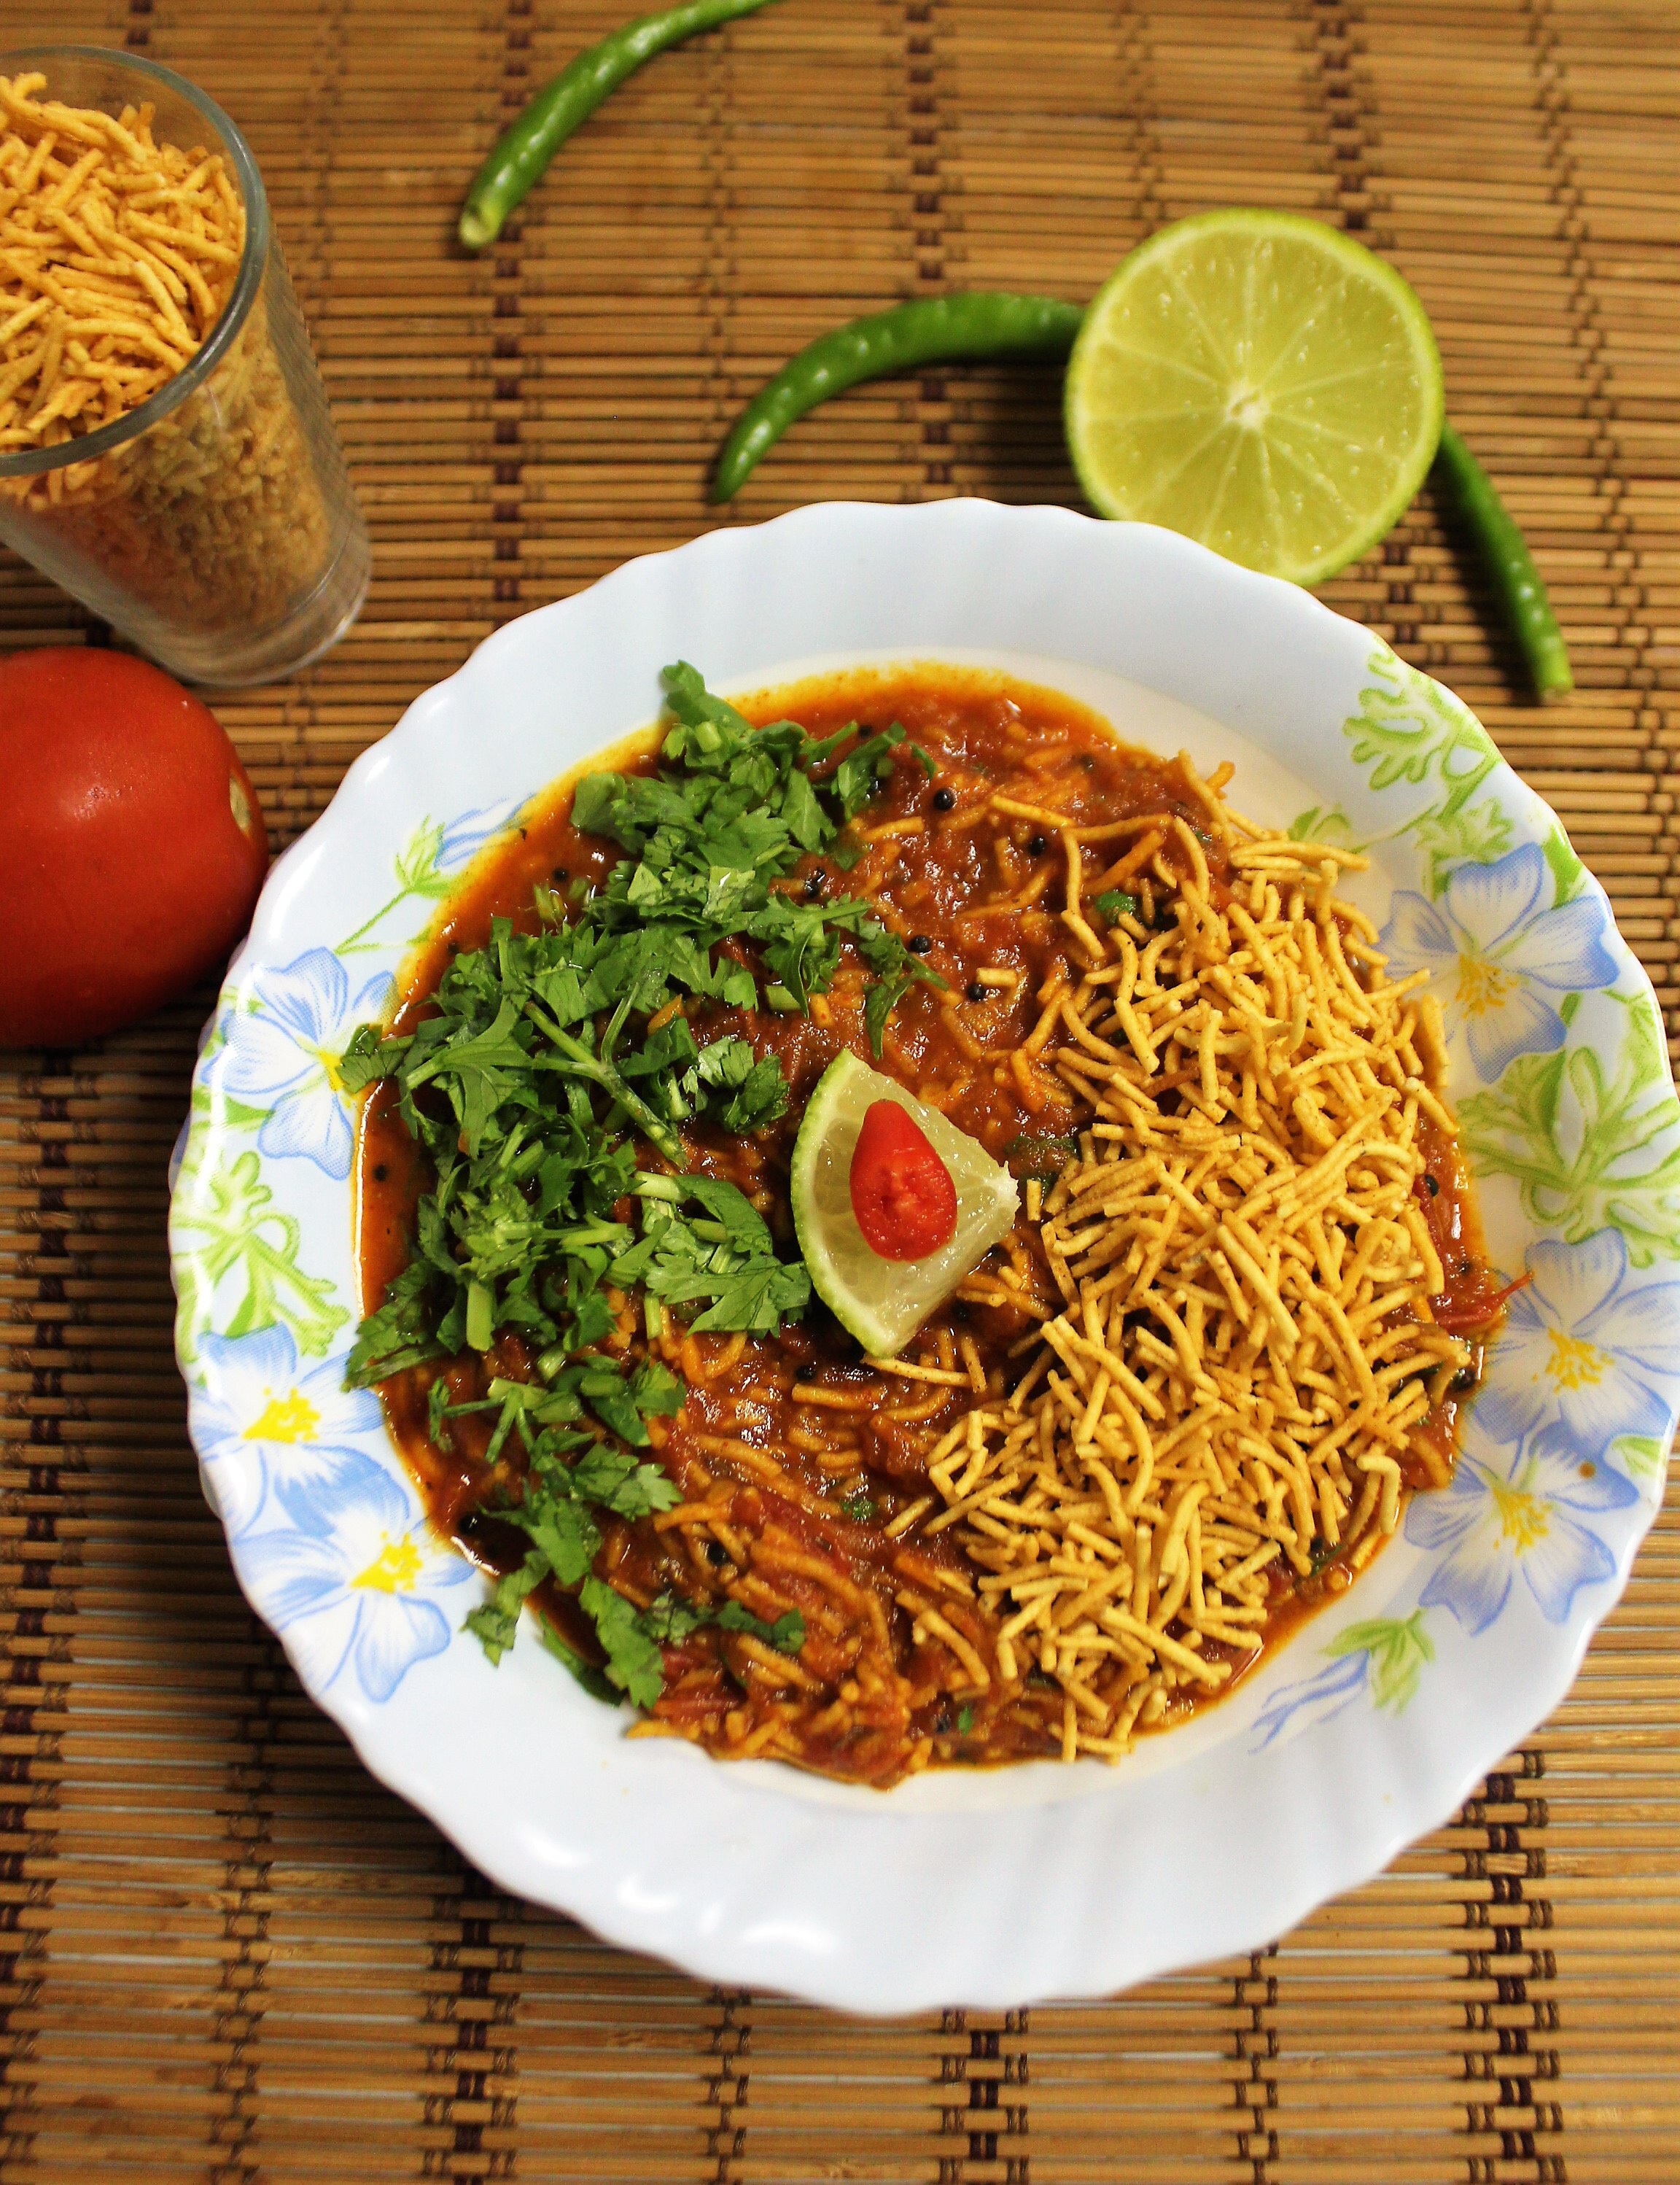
<point x="228" y="1955"/>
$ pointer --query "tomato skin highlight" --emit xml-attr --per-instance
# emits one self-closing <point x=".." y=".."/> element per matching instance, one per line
<point x="902" y="1191"/>
<point x="132" y="847"/>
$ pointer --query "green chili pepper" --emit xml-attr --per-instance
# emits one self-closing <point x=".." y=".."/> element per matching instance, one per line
<point x="524" y="149"/>
<point x="934" y="329"/>
<point x="1509" y="566"/>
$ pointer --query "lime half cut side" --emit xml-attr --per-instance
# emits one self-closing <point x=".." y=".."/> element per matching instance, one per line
<point x="882" y="1302"/>
<point x="1260" y="382"/>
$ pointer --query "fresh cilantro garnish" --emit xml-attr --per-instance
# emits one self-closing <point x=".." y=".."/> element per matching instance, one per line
<point x="529" y="1083"/>
<point x="365" y="1057"/>
<point x="534" y="1072"/>
<point x="724" y="1256"/>
<point x="496" y="1624"/>
<point x="965" y="1721"/>
<point x="741" y="1094"/>
<point x="632" y="1638"/>
<point x="1032" y="1155"/>
<point x="436" y="1416"/>
<point x="786" y="1635"/>
<point x="633" y="1658"/>
<point x="594" y="1681"/>
<point x="1114" y="904"/>
<point x="668" y="1619"/>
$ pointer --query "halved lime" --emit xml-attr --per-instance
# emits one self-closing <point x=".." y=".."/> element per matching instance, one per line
<point x="882" y="1302"/>
<point x="1258" y="382"/>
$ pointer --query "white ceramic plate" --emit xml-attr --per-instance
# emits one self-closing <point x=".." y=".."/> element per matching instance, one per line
<point x="1380" y="1716"/>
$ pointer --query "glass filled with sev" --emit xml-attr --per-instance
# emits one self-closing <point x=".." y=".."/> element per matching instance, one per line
<point x="166" y="450"/>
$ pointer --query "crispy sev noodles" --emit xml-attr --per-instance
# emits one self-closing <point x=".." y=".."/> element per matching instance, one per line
<point x="1234" y="1387"/>
<point x="117" y="256"/>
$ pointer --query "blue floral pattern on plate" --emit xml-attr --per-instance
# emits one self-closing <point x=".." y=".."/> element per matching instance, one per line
<point x="1586" y="1347"/>
<point x="1381" y="1660"/>
<point x="283" y="1046"/>
<point x="262" y="1420"/>
<point x="354" y="1579"/>
<point x="1505" y="953"/>
<point x="333" y="1543"/>
<point x="1522" y="1510"/>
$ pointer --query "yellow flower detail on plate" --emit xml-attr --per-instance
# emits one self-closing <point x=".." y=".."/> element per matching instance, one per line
<point x="1574" y="1364"/>
<point x="291" y="1417"/>
<point x="1482" y="986"/>
<point x="393" y="1569"/>
<point x="1524" y="1518"/>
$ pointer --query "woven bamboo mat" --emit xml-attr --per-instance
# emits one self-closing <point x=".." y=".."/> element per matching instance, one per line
<point x="227" y="1955"/>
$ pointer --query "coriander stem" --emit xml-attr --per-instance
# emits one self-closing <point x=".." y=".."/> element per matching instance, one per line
<point x="600" y="1071"/>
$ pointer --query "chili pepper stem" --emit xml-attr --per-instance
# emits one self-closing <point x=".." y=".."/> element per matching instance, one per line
<point x="1509" y="566"/>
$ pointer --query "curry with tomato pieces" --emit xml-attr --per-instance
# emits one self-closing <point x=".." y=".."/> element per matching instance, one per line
<point x="829" y="1574"/>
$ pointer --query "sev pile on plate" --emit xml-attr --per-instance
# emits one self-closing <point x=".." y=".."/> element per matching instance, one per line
<point x="119" y="253"/>
<point x="1247" y="1350"/>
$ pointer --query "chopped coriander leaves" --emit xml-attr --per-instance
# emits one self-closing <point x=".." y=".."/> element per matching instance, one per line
<point x="496" y="1624"/>
<point x="722" y="1257"/>
<point x="528" y="1083"/>
<point x="669" y="1620"/>
<point x="1114" y="904"/>
<point x="633" y="1661"/>
<point x="632" y="1639"/>
<point x="437" y="1409"/>
<point x="594" y="1681"/>
<point x="1034" y="1155"/>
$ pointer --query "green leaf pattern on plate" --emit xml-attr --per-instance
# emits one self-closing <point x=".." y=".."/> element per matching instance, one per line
<point x="1642" y="1455"/>
<point x="1460" y="834"/>
<point x="1588" y="1130"/>
<point x="235" y="1266"/>
<point x="1398" y="1648"/>
<point x="428" y="867"/>
<point x="1591" y="1146"/>
<point x="1409" y="729"/>
<point x="415" y="870"/>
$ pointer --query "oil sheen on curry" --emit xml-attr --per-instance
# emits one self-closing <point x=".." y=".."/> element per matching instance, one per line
<point x="1177" y="1405"/>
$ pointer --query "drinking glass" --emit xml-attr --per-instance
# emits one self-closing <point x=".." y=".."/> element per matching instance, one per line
<point x="214" y="525"/>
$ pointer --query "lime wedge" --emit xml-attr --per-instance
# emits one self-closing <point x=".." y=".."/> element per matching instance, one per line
<point x="882" y="1302"/>
<point x="1261" y="382"/>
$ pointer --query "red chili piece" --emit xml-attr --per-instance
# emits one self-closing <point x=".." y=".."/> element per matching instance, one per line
<point x="902" y="1191"/>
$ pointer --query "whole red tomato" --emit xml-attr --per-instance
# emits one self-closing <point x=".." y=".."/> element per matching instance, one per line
<point x="131" y="844"/>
